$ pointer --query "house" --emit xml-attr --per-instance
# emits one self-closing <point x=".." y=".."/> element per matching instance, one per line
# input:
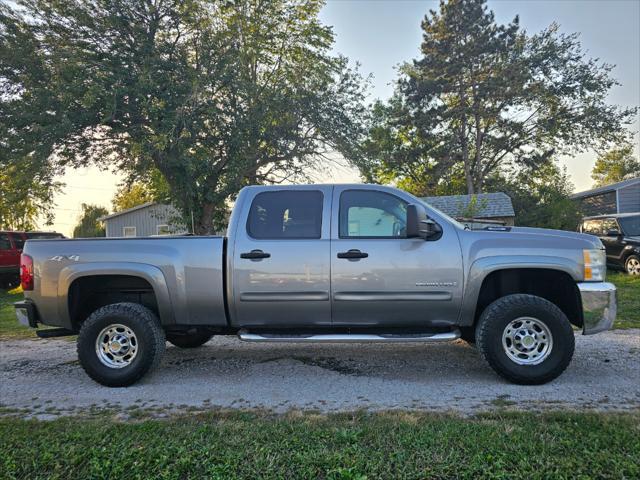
<point x="486" y="209"/>
<point x="144" y="220"/>
<point x="621" y="197"/>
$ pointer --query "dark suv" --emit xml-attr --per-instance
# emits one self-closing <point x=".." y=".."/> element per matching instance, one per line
<point x="620" y="235"/>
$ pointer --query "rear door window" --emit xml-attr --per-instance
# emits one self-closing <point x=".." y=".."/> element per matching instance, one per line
<point x="286" y="214"/>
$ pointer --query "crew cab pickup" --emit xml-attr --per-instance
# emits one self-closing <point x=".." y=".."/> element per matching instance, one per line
<point x="323" y="263"/>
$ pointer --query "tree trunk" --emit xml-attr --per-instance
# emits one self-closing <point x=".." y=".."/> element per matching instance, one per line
<point x="204" y="226"/>
<point x="464" y="142"/>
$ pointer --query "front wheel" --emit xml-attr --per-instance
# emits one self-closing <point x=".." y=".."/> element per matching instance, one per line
<point x="189" y="340"/>
<point x="525" y="339"/>
<point x="632" y="265"/>
<point x="119" y="343"/>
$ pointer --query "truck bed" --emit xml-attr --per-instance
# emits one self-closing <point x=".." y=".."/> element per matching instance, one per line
<point x="185" y="273"/>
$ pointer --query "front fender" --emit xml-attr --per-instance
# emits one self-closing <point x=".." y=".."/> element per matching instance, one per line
<point x="153" y="275"/>
<point x="482" y="267"/>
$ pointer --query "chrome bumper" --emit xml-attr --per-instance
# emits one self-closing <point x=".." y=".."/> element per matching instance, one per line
<point x="599" y="306"/>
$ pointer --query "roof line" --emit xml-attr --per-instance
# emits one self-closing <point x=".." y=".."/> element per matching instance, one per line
<point x="123" y="212"/>
<point x="606" y="188"/>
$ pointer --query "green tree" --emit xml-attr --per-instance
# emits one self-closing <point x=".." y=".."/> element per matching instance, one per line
<point x="214" y="94"/>
<point x="484" y="98"/>
<point x="540" y="197"/>
<point x="23" y="200"/>
<point x="131" y="195"/>
<point x="88" y="224"/>
<point x="616" y="165"/>
<point x="153" y="188"/>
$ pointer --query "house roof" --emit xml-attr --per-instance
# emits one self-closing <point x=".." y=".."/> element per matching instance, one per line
<point x="128" y="210"/>
<point x="490" y="205"/>
<point x="606" y="188"/>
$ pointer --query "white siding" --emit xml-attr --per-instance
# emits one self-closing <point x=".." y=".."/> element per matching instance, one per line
<point x="146" y="221"/>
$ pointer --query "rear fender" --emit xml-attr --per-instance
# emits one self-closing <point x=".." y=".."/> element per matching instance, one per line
<point x="153" y="275"/>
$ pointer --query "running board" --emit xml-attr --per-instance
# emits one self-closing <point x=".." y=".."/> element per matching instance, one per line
<point x="248" y="336"/>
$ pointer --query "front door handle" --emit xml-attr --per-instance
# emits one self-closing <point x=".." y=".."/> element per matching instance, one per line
<point x="352" y="254"/>
<point x="255" y="255"/>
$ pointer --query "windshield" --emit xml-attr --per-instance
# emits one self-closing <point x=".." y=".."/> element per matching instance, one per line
<point x="630" y="226"/>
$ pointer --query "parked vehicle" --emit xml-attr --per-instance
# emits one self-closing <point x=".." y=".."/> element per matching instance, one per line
<point x="323" y="263"/>
<point x="620" y="234"/>
<point x="11" y="244"/>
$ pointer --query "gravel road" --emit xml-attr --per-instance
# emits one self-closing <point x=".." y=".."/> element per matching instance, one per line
<point x="42" y="378"/>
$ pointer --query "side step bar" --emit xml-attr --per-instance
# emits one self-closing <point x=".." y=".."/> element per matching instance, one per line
<point x="55" y="332"/>
<point x="248" y="336"/>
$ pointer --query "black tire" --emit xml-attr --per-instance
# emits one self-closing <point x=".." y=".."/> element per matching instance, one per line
<point x="631" y="265"/>
<point x="502" y="312"/>
<point x="149" y="340"/>
<point x="468" y="334"/>
<point x="189" y="340"/>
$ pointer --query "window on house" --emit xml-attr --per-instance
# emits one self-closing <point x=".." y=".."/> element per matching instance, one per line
<point x="128" y="231"/>
<point x="162" y="230"/>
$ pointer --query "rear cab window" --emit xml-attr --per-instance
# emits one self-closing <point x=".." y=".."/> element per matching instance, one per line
<point x="286" y="214"/>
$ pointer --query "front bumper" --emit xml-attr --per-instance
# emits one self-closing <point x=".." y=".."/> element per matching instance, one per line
<point x="26" y="313"/>
<point x="599" y="306"/>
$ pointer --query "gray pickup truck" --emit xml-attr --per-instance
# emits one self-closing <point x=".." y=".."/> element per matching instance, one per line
<point x="323" y="263"/>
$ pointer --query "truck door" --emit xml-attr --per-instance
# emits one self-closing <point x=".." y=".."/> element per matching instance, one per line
<point x="381" y="278"/>
<point x="280" y="274"/>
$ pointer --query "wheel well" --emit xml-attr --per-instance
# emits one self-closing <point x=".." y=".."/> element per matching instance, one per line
<point x="553" y="285"/>
<point x="87" y="294"/>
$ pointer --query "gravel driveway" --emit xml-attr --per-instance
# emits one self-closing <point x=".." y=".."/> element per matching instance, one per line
<point x="43" y="378"/>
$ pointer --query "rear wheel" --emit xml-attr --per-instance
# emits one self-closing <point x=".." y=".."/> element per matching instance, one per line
<point x="189" y="340"/>
<point x="632" y="265"/>
<point x="525" y="339"/>
<point x="119" y="343"/>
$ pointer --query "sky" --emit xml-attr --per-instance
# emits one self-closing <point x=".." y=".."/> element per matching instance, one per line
<point x="381" y="34"/>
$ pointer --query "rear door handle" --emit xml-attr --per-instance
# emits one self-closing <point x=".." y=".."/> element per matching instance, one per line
<point x="354" y="253"/>
<point x="255" y="255"/>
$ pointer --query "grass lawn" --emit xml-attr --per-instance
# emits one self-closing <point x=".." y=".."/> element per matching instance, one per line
<point x="345" y="446"/>
<point x="9" y="326"/>
<point x="628" y="307"/>
<point x="628" y="299"/>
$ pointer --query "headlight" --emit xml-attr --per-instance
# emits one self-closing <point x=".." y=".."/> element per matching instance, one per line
<point x="595" y="265"/>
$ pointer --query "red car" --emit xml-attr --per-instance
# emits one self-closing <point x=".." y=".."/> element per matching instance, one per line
<point x="11" y="244"/>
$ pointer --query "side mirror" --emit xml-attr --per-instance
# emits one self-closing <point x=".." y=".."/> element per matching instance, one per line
<point x="419" y="225"/>
<point x="614" y="232"/>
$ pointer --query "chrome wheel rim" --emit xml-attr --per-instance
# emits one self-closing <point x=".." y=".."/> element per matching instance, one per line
<point x="116" y="346"/>
<point x="527" y="341"/>
<point x="633" y="266"/>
